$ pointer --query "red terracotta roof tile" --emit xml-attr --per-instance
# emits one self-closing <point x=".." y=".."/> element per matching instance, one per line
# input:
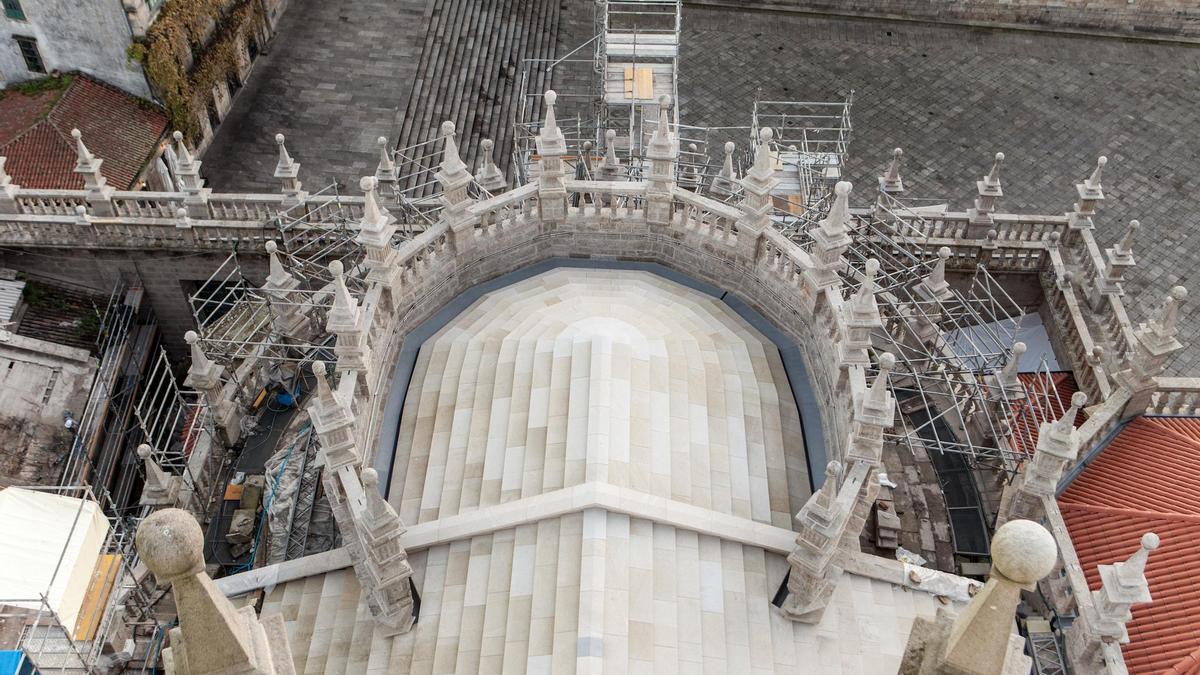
<point x="1146" y="480"/>
<point x="1047" y="397"/>
<point x="117" y="127"/>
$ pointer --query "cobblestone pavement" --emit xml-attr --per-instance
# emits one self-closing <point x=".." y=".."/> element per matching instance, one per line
<point x="952" y="97"/>
<point x="338" y="76"/>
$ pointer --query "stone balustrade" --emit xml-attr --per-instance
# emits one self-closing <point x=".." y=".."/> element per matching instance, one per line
<point x="1176" y="396"/>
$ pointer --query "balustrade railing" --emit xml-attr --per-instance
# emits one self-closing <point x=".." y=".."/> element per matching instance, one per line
<point x="1176" y="396"/>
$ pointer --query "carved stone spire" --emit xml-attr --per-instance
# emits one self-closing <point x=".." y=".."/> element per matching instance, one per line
<point x="489" y="175"/>
<point x="334" y="422"/>
<point x="935" y="287"/>
<point x="288" y="171"/>
<point x="386" y="171"/>
<point x="343" y="313"/>
<point x="348" y="321"/>
<point x="160" y="488"/>
<point x="551" y="146"/>
<point x="1008" y="376"/>
<point x="1125" y="246"/>
<point x="1165" y="323"/>
<point x="88" y="166"/>
<point x="1090" y="193"/>
<point x="727" y="171"/>
<point x="860" y="317"/>
<point x="988" y="192"/>
<point x="890" y="182"/>
<point x="1122" y="585"/>
<point x="814" y="563"/>
<point x="1093" y="181"/>
<point x="384" y="567"/>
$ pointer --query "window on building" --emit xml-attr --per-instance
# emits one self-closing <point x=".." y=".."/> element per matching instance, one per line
<point x="12" y="10"/>
<point x="29" y="51"/>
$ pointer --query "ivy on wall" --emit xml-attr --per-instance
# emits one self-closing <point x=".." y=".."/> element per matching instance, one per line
<point x="193" y="45"/>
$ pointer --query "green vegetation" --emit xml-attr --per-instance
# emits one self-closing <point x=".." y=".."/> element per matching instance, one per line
<point x="194" y="45"/>
<point x="33" y="87"/>
<point x="43" y="296"/>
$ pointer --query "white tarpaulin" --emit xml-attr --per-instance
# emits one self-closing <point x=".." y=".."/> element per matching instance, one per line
<point x="36" y="528"/>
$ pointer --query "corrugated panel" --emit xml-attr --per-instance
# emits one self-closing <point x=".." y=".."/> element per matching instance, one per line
<point x="10" y="297"/>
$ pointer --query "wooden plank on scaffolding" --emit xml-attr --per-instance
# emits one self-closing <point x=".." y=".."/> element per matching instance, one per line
<point x="91" y="612"/>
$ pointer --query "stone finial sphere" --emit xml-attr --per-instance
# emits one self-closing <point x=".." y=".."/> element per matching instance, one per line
<point x="171" y="543"/>
<point x="178" y="136"/>
<point x="1102" y="161"/>
<point x="842" y="188"/>
<point x="191" y="337"/>
<point x="1135" y="224"/>
<point x="1019" y="348"/>
<point x="318" y="368"/>
<point x="1150" y="541"/>
<point x="370" y="478"/>
<point x="1055" y="237"/>
<point x="143" y="451"/>
<point x="271" y="247"/>
<point x="729" y="147"/>
<point x="81" y="210"/>
<point x="486" y="144"/>
<point x="887" y="361"/>
<point x="944" y="253"/>
<point x="279" y="139"/>
<point x="664" y="100"/>
<point x="766" y="134"/>
<point x="999" y="156"/>
<point x="992" y="234"/>
<point x="76" y="134"/>
<point x="1023" y="551"/>
<point x="382" y="140"/>
<point x="610" y="135"/>
<point x="872" y="266"/>
<point x="898" y="153"/>
<point x="181" y="213"/>
<point x="447" y="128"/>
<point x="1179" y="293"/>
<point x="1079" y="399"/>
<point x="833" y="468"/>
<point x="550" y="97"/>
<point x="336" y="268"/>
<point x="366" y="183"/>
<point x="587" y="145"/>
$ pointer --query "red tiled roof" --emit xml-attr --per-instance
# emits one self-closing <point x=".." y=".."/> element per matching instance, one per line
<point x="1147" y="480"/>
<point x="1047" y="397"/>
<point x="35" y="134"/>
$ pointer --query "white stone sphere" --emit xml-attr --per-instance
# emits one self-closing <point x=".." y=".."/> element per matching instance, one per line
<point x="1023" y="551"/>
<point x="171" y="544"/>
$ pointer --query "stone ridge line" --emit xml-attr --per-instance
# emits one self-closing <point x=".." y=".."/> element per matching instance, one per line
<point x="613" y="499"/>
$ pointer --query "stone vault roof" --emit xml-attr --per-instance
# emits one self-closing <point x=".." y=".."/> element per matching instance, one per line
<point x="35" y="133"/>
<point x="1147" y="480"/>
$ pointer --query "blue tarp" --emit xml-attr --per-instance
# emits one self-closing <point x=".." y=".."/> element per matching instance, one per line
<point x="14" y="663"/>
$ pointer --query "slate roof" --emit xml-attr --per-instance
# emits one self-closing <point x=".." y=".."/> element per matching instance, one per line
<point x="1147" y="480"/>
<point x="35" y="133"/>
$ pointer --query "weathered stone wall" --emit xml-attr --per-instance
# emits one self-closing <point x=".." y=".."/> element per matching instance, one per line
<point x="165" y="276"/>
<point x="89" y="36"/>
<point x="1130" y="17"/>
